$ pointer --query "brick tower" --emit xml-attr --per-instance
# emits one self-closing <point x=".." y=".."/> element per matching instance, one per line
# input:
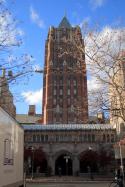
<point x="65" y="98"/>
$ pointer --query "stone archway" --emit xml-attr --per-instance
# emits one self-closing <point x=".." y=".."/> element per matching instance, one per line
<point x="88" y="161"/>
<point x="64" y="164"/>
<point x="36" y="160"/>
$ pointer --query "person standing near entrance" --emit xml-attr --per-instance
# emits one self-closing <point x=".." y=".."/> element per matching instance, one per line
<point x="59" y="171"/>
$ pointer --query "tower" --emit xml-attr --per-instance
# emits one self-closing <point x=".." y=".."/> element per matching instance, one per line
<point x="6" y="97"/>
<point x="65" y="98"/>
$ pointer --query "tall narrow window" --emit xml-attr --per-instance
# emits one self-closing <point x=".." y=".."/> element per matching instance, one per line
<point x="75" y="91"/>
<point x="54" y="92"/>
<point x="68" y="91"/>
<point x="74" y="82"/>
<point x="8" y="152"/>
<point x="61" y="91"/>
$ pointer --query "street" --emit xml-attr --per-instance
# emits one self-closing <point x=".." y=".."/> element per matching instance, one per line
<point x="87" y="184"/>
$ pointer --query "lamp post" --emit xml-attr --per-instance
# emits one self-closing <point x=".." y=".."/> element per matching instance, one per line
<point x="121" y="164"/>
<point x="32" y="162"/>
<point x="90" y="167"/>
<point x="120" y="149"/>
<point x="67" y="159"/>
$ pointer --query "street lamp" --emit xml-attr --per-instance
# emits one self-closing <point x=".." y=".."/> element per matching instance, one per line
<point x="67" y="159"/>
<point x="90" y="166"/>
<point x="32" y="161"/>
<point x="121" y="163"/>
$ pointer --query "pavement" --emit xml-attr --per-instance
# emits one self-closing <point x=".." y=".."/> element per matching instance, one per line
<point x="85" y="184"/>
<point x="68" y="180"/>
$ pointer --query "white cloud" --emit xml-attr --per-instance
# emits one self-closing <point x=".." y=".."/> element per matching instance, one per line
<point x="2" y="1"/>
<point x="93" y="84"/>
<point x="85" y="21"/>
<point x="33" y="97"/>
<point x="36" y="18"/>
<point x="97" y="3"/>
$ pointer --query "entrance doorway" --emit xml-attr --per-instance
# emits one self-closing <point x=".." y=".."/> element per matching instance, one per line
<point x="63" y="165"/>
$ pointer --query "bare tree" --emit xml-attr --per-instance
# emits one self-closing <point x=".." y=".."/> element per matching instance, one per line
<point x="15" y="66"/>
<point x="105" y="58"/>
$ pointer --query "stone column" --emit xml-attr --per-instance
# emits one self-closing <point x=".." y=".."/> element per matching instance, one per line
<point x="75" y="164"/>
<point x="51" y="164"/>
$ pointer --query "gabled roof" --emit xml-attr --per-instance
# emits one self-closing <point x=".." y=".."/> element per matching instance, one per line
<point x="65" y="23"/>
<point x="28" y="119"/>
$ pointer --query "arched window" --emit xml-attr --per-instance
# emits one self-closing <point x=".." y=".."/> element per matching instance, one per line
<point x="112" y="138"/>
<point x="89" y="137"/>
<point x="85" y="138"/>
<point x="93" y="138"/>
<point x="38" y="138"/>
<point x="42" y="138"/>
<point x="34" y="138"/>
<point x="8" y="152"/>
<point x="108" y="138"/>
<point x="104" y="138"/>
<point x="46" y="138"/>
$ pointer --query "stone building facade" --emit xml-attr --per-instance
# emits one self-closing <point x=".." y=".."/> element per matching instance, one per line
<point x="65" y="144"/>
<point x="64" y="83"/>
<point x="73" y="148"/>
<point x="31" y="118"/>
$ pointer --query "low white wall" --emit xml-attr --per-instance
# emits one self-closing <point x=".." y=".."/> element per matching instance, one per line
<point x="11" y="150"/>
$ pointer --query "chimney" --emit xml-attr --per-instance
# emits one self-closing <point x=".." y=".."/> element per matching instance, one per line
<point x="101" y="118"/>
<point x="32" y="110"/>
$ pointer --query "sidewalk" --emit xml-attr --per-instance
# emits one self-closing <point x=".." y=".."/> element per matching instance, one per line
<point x="64" y="179"/>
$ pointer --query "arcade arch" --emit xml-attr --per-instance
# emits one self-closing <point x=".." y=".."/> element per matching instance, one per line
<point x="64" y="163"/>
<point x="88" y="161"/>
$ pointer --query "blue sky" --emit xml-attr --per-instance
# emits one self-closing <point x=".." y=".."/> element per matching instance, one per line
<point x="36" y="16"/>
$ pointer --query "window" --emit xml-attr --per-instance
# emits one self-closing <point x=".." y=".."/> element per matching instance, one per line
<point x="34" y="138"/>
<point x="68" y="82"/>
<point x="74" y="82"/>
<point x="54" y="92"/>
<point x="61" y="101"/>
<point x="80" y="138"/>
<point x="46" y="138"/>
<point x="104" y="138"/>
<point x="68" y="91"/>
<point x="54" y="101"/>
<point x="93" y="138"/>
<point x="42" y="138"/>
<point x="57" y="138"/>
<point x="75" y="91"/>
<point x="8" y="152"/>
<point x="85" y="138"/>
<point x="89" y="137"/>
<point x="54" y="82"/>
<point x="68" y="101"/>
<point x="61" y="91"/>
<point x="38" y="138"/>
<point x="108" y="138"/>
<point x="61" y="81"/>
<point x="112" y="138"/>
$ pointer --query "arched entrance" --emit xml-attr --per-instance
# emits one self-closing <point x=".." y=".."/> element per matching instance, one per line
<point x="88" y="161"/>
<point x="63" y="165"/>
<point x="35" y="161"/>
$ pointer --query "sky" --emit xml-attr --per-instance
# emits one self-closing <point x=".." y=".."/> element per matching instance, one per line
<point x="36" y="16"/>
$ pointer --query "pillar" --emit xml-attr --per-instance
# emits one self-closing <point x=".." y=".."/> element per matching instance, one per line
<point x="51" y="164"/>
<point x="76" y="168"/>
